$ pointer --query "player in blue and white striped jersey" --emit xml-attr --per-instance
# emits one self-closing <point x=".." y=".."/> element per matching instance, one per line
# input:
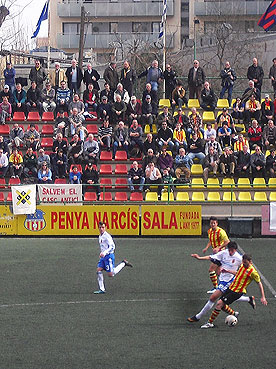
<point x="107" y="258"/>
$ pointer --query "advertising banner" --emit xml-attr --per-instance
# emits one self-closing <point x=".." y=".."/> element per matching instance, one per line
<point x="173" y="220"/>
<point x="24" y="199"/>
<point x="64" y="193"/>
<point x="82" y="220"/>
<point x="8" y="221"/>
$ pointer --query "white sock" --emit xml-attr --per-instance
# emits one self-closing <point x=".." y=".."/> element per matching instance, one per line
<point x="119" y="267"/>
<point x="101" y="280"/>
<point x="244" y="298"/>
<point x="208" y="306"/>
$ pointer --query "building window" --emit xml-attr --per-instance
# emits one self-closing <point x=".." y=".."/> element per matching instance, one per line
<point x="141" y="27"/>
<point x="113" y="27"/>
<point x="71" y="28"/>
<point x="155" y="27"/>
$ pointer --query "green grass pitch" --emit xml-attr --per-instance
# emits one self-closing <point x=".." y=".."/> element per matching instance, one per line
<point x="51" y="320"/>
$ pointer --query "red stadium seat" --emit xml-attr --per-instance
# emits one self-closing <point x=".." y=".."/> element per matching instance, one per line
<point x="36" y="127"/>
<point x="106" y="156"/>
<point x="2" y="198"/>
<point x="105" y="196"/>
<point x="92" y="119"/>
<point x="92" y="128"/>
<point x="136" y="159"/>
<point x="136" y="196"/>
<point x="46" y="142"/>
<point x="2" y="183"/>
<point x="120" y="196"/>
<point x="106" y="169"/>
<point x="19" y="116"/>
<point x="33" y="116"/>
<point x="106" y="182"/>
<point x="121" y="183"/>
<point x="4" y="129"/>
<point x="48" y="116"/>
<point x="121" y="169"/>
<point x="9" y="197"/>
<point x="60" y="181"/>
<point x="120" y="156"/>
<point x="14" y="181"/>
<point x="90" y="196"/>
<point x="47" y="129"/>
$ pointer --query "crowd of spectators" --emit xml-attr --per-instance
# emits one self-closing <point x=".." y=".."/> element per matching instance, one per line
<point x="168" y="153"/>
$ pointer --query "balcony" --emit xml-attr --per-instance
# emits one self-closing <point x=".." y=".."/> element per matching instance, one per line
<point x="102" y="8"/>
<point x="230" y="8"/>
<point x="108" y="40"/>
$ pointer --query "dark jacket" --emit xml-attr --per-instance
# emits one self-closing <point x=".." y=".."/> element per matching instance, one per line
<point x="39" y="76"/>
<point x="272" y="73"/>
<point x="199" y="143"/>
<point x="210" y="98"/>
<point x="87" y="78"/>
<point x="69" y="77"/>
<point x="111" y="77"/>
<point x="265" y="110"/>
<point x="226" y="79"/>
<point x="255" y="73"/>
<point x="33" y="96"/>
<point x="117" y="134"/>
<point x="243" y="160"/>
<point x="132" y="173"/>
<point x="90" y="175"/>
<point x="200" y="77"/>
<point x="128" y="79"/>
<point x="207" y="160"/>
<point x="227" y="159"/>
<point x="271" y="162"/>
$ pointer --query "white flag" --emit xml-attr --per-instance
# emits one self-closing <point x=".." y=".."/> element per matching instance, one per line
<point x="24" y="199"/>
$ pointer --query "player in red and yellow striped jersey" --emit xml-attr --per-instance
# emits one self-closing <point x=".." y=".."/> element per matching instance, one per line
<point x="218" y="239"/>
<point x="245" y="275"/>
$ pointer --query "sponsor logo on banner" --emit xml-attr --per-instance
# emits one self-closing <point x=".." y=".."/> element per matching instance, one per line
<point x="35" y="222"/>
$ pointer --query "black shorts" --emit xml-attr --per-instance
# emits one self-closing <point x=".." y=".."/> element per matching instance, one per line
<point x="230" y="296"/>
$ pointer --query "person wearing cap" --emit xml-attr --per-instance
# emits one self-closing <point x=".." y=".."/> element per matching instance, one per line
<point x="208" y="98"/>
<point x="32" y="138"/>
<point x="252" y="109"/>
<point x="90" y="178"/>
<point x="9" y="75"/>
<point x="147" y="112"/>
<point x="269" y="135"/>
<point x="272" y="75"/>
<point x="256" y="74"/>
<point x="224" y="135"/>
<point x="38" y="74"/>
<point x="128" y="77"/>
<point x="224" y="117"/>
<point x="105" y="109"/>
<point x="267" y="110"/>
<point x="19" y="99"/>
<point x="48" y="98"/>
<point x="74" y="77"/>
<point x="34" y="99"/>
<point x="178" y="97"/>
<point x="59" y="160"/>
<point x="165" y="116"/>
<point x="7" y="93"/>
<point x="271" y="163"/>
<point x="111" y="76"/>
<point x="56" y="76"/>
<point x="134" y="110"/>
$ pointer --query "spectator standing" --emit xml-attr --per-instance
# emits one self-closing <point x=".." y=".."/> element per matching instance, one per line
<point x="170" y="81"/>
<point x="111" y="76"/>
<point x="57" y="76"/>
<point x="147" y="112"/>
<point x="154" y="76"/>
<point x="91" y="76"/>
<point x="272" y="76"/>
<point x="38" y="74"/>
<point x="256" y="74"/>
<point x="196" y="79"/>
<point x="128" y="78"/>
<point x="228" y="77"/>
<point x="74" y="77"/>
<point x="9" y="75"/>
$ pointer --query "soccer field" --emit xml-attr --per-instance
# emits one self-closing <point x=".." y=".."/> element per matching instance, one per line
<point x="51" y="320"/>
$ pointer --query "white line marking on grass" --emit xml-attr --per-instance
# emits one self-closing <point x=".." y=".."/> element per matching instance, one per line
<point x="266" y="282"/>
<point x="58" y="303"/>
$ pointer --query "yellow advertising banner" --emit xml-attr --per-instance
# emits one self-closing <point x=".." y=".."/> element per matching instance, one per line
<point x="80" y="220"/>
<point x="8" y="221"/>
<point x="171" y="220"/>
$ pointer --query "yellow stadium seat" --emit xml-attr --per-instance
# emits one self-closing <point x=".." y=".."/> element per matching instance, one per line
<point x="244" y="183"/>
<point x="193" y="103"/>
<point x="213" y="196"/>
<point x="147" y="129"/>
<point x="208" y="116"/>
<point x="182" y="196"/>
<point x="272" y="183"/>
<point x="197" y="169"/>
<point x="229" y="196"/>
<point x="272" y="196"/>
<point x="259" y="183"/>
<point x="260" y="196"/>
<point x="213" y="183"/>
<point x="198" y="196"/>
<point x="197" y="183"/>
<point x="241" y="126"/>
<point x="233" y="102"/>
<point x="228" y="183"/>
<point x="222" y="103"/>
<point x="167" y="196"/>
<point x="164" y="102"/>
<point x="151" y="196"/>
<point x="154" y="129"/>
<point x="267" y="153"/>
<point x="245" y="196"/>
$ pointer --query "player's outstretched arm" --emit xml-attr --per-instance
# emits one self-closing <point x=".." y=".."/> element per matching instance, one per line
<point x="263" y="299"/>
<point x="196" y="256"/>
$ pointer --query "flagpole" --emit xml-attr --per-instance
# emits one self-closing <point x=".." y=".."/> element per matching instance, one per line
<point x="49" y="44"/>
<point x="164" y="41"/>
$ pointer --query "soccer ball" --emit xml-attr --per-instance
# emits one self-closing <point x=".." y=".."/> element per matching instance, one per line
<point x="231" y="320"/>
